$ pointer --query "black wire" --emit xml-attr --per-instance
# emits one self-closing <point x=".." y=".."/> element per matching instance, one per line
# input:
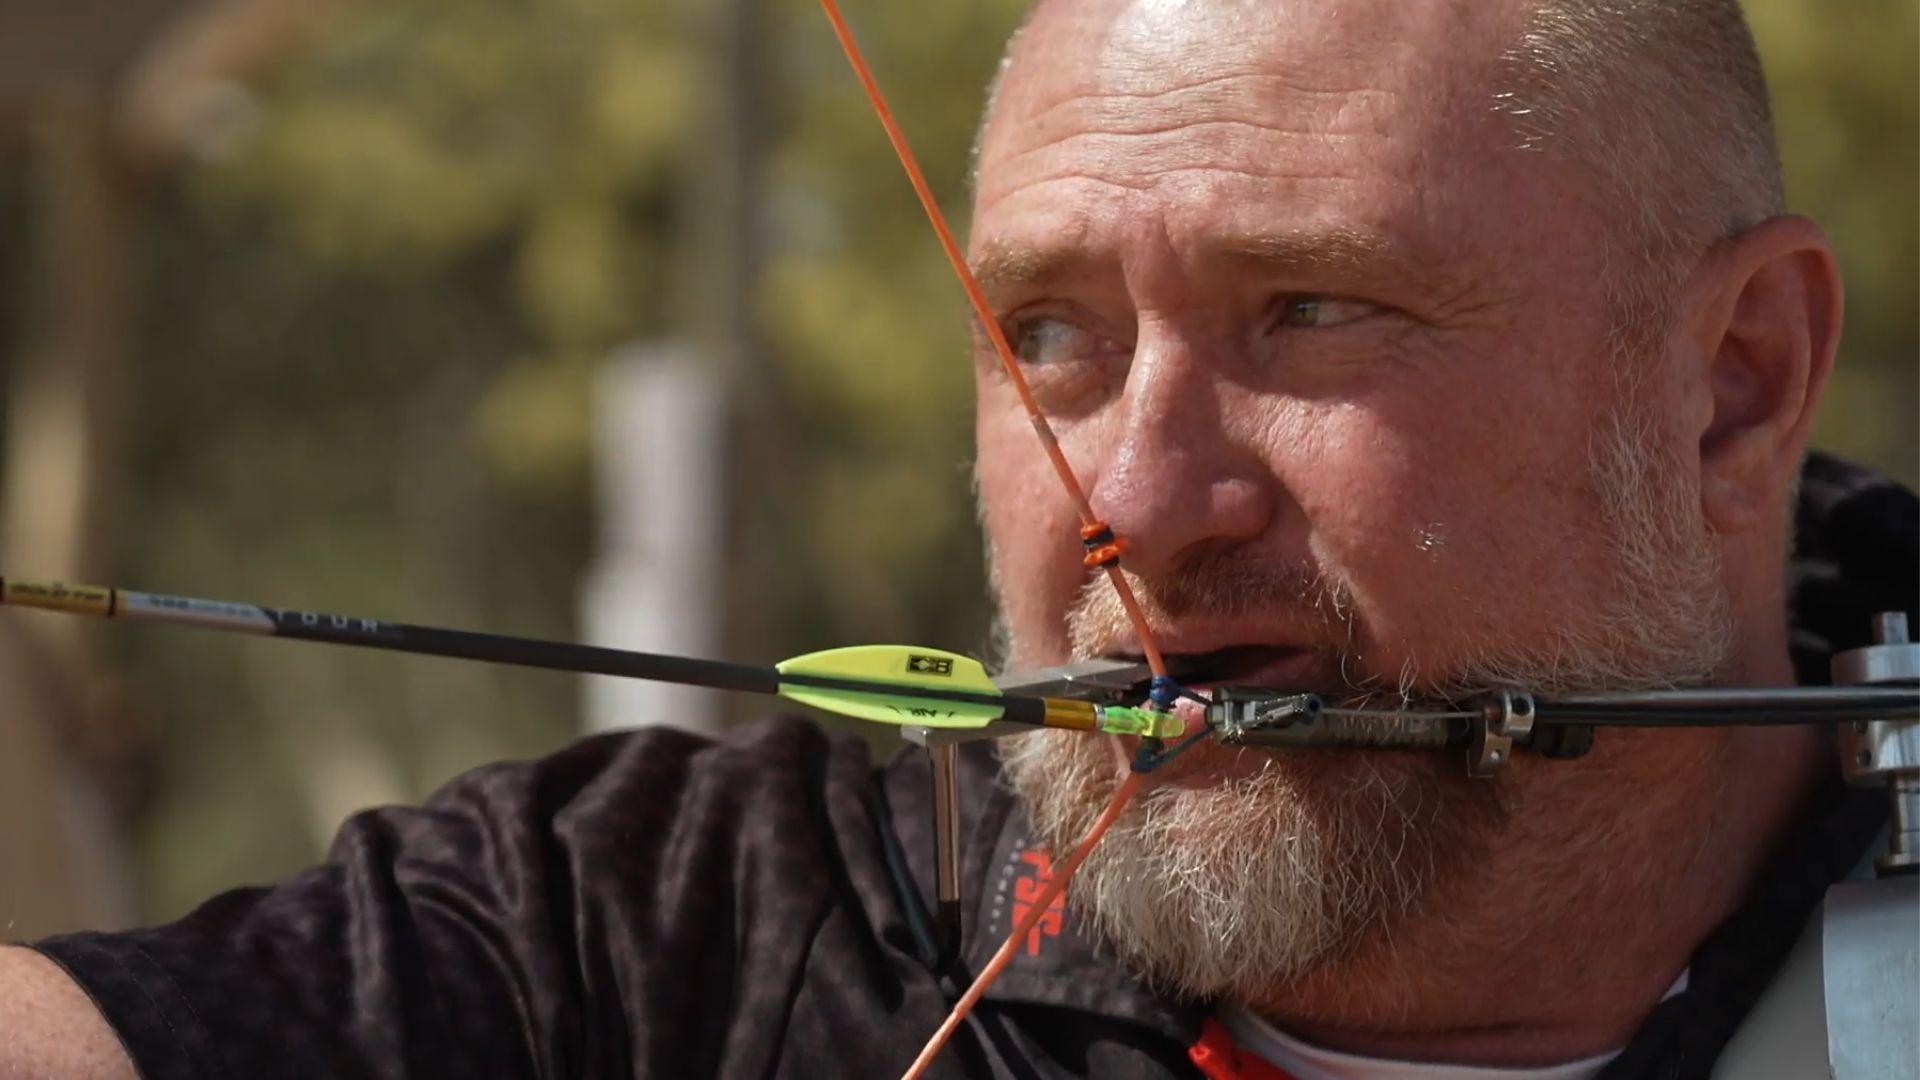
<point x="1812" y="706"/>
<point x="907" y="891"/>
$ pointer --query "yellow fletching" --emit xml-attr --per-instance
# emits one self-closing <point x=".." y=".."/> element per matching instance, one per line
<point x="907" y="666"/>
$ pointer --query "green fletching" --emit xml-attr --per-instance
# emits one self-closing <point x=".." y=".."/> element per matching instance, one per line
<point x="907" y="666"/>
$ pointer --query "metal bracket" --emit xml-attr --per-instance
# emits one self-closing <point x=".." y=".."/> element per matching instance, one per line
<point x="1506" y="719"/>
<point x="946" y="855"/>
<point x="943" y="754"/>
<point x="1886" y="751"/>
<point x="1235" y="713"/>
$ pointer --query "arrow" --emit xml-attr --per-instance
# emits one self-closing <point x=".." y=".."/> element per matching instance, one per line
<point x="903" y="685"/>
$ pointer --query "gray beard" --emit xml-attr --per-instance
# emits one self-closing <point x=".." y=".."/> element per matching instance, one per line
<point x="1229" y="889"/>
<point x="1258" y="880"/>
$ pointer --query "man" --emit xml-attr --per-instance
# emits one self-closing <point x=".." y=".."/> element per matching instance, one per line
<point x="1421" y="346"/>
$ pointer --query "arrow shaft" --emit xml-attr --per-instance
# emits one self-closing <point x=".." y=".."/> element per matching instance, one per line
<point x="470" y="645"/>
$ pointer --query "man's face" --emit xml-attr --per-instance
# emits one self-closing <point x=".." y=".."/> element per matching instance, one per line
<point x="1333" y="357"/>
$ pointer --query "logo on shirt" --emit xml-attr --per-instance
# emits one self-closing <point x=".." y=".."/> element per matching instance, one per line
<point x="1032" y="870"/>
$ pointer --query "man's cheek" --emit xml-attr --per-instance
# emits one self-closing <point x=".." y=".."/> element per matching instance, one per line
<point x="1447" y="565"/>
<point x="1374" y="499"/>
<point x="1033" y="538"/>
<point x="1405" y="531"/>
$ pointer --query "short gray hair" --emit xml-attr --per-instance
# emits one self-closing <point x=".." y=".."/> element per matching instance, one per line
<point x="1665" y="102"/>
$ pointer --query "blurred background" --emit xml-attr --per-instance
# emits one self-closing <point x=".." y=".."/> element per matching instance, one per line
<point x="602" y="319"/>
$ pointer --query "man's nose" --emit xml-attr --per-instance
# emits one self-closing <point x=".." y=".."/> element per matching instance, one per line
<point x="1176" y="481"/>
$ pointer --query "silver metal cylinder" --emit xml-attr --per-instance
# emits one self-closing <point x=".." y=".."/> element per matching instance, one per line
<point x="1903" y="840"/>
<point x="1886" y="751"/>
<point x="1892" y="658"/>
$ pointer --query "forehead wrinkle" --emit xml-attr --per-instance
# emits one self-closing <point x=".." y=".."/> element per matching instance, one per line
<point x="1237" y="96"/>
<point x="1349" y="253"/>
<point x="1232" y="123"/>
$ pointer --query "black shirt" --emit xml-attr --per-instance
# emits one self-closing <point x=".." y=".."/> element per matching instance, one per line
<point x="657" y="904"/>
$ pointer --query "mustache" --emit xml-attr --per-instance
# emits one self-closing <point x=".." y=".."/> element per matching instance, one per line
<point x="1218" y="586"/>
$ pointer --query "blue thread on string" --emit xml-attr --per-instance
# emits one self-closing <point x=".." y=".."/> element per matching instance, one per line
<point x="1163" y="692"/>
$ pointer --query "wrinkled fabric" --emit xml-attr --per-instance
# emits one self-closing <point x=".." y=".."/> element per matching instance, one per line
<point x="655" y="904"/>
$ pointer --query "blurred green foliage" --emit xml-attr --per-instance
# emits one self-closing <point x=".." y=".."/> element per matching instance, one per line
<point x="367" y="340"/>
<point x="1848" y="114"/>
<point x="368" y="344"/>
<point x="368" y="337"/>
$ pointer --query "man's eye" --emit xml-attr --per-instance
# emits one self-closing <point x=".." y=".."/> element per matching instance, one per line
<point x="1310" y="312"/>
<point x="1046" y="340"/>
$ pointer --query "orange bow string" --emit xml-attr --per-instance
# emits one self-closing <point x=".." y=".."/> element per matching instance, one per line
<point x="1103" y="547"/>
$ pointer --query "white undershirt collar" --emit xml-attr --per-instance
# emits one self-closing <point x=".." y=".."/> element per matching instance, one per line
<point x="1306" y="1061"/>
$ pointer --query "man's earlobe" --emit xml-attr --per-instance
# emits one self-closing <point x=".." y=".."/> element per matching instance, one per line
<point x="1768" y="331"/>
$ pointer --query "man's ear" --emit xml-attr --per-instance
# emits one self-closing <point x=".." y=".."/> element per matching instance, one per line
<point x="1767" y="327"/>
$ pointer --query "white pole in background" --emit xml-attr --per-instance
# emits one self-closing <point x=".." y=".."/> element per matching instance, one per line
<point x="659" y="428"/>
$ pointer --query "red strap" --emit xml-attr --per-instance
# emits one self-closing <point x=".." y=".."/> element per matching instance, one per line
<point x="1219" y="1058"/>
